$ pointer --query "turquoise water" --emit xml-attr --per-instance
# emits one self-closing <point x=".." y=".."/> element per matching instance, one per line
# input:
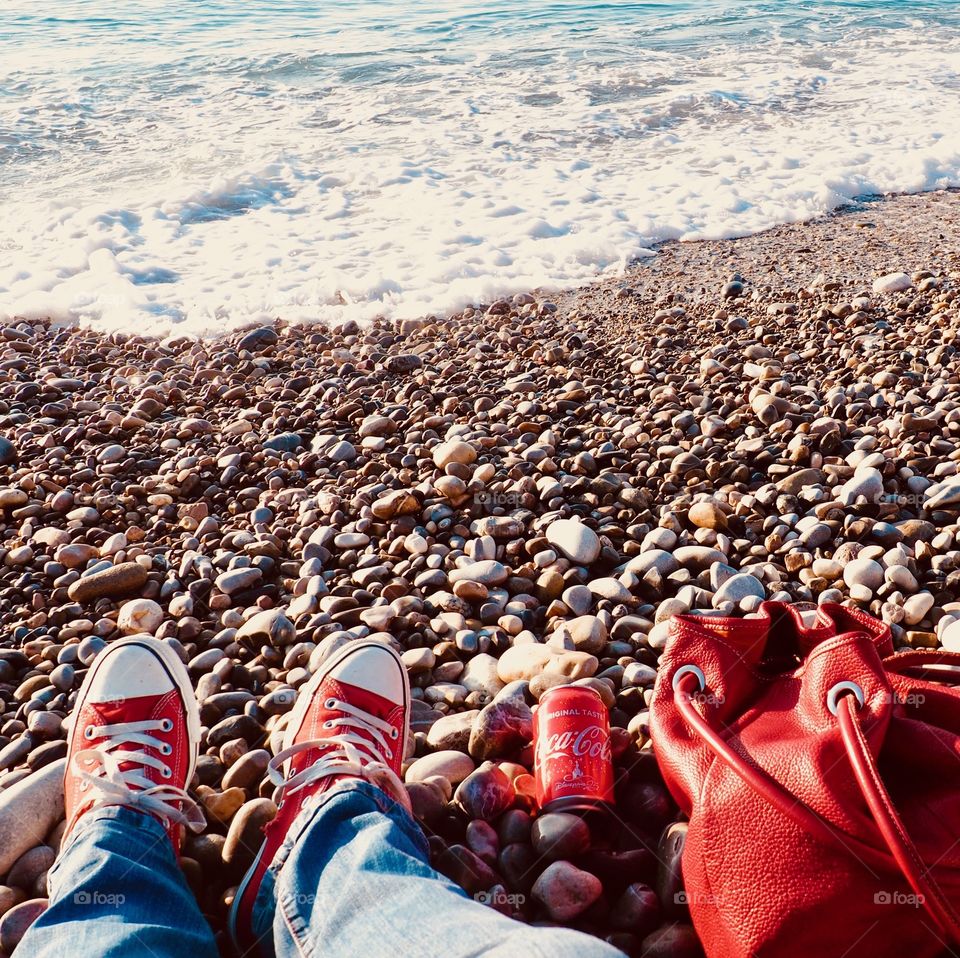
<point x="382" y="27"/>
<point x="200" y="165"/>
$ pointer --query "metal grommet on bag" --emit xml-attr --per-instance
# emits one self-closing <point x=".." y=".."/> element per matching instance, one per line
<point x="833" y="696"/>
<point x="689" y="670"/>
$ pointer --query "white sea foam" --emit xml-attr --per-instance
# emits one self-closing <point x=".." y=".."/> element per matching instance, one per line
<point x="330" y="176"/>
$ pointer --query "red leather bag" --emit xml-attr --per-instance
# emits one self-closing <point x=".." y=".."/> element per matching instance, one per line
<point x="821" y="776"/>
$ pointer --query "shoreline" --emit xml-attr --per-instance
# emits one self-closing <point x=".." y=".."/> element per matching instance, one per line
<point x="790" y="434"/>
<point x="867" y="221"/>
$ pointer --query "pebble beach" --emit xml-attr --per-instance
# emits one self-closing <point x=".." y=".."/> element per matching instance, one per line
<point x="515" y="497"/>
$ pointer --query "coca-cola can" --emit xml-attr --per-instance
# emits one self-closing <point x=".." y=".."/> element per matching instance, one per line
<point x="573" y="765"/>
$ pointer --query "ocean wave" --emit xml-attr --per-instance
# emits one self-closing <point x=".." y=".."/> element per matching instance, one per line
<point x="368" y="168"/>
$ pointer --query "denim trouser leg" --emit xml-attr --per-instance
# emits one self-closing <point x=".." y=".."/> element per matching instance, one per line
<point x="117" y="892"/>
<point x="354" y="882"/>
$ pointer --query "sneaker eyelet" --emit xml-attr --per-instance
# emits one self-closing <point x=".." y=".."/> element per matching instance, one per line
<point x="83" y="786"/>
<point x="90" y="732"/>
<point x="166" y="749"/>
<point x="166" y="725"/>
<point x="394" y="734"/>
<point x="389" y="755"/>
<point x="166" y="773"/>
<point x="328" y="724"/>
<point x="330" y="704"/>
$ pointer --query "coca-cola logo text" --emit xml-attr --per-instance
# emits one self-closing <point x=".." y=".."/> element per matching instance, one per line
<point x="592" y="742"/>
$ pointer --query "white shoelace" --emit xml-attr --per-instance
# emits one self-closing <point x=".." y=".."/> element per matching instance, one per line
<point x="346" y="753"/>
<point x="98" y="768"/>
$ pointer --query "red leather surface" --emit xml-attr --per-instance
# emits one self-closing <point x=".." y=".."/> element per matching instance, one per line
<point x="757" y="882"/>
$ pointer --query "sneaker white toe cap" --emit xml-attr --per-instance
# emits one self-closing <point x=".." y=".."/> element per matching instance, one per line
<point x="375" y="668"/>
<point x="131" y="672"/>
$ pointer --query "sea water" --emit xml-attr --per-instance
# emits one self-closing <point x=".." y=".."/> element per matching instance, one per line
<point x="172" y="166"/>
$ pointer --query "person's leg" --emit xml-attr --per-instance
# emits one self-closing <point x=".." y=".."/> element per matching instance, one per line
<point x="116" y="888"/>
<point x="117" y="892"/>
<point x="344" y="869"/>
<point x="357" y="882"/>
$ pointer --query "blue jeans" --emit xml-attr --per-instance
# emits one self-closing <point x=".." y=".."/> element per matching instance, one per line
<point x="354" y="881"/>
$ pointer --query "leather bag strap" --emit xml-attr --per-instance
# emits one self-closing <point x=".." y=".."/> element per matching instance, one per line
<point x="891" y="826"/>
<point x="901" y="848"/>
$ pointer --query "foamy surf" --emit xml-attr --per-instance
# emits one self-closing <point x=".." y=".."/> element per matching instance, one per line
<point x="401" y="159"/>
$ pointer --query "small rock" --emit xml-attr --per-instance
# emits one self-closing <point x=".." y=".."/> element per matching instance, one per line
<point x="402" y="364"/>
<point x="118" y="580"/>
<point x="917" y="606"/>
<point x="378" y="426"/>
<point x="698" y="557"/>
<point x="14" y="924"/>
<point x="236" y="580"/>
<point x="284" y="442"/>
<point x="485" y="793"/>
<point x="11" y="498"/>
<point x="247" y="771"/>
<point x="480" y="675"/>
<point x="245" y="834"/>
<point x="946" y="493"/>
<point x="863" y="572"/>
<point x="8" y="453"/>
<point x="707" y="515"/>
<point x="672" y="941"/>
<point x="272" y="627"/>
<point x="139" y="615"/>
<point x="892" y="283"/>
<point x="455" y="450"/>
<point x="451" y="765"/>
<point x="566" y="891"/>
<point x="452" y="732"/>
<point x="487" y="571"/>
<point x="579" y="543"/>
<point x="669" y="873"/>
<point x="76" y="554"/>
<point x="111" y="453"/>
<point x="609" y="588"/>
<point x="342" y="451"/>
<point x="865" y="485"/>
<point x="802" y="479"/>
<point x="950" y="637"/>
<point x="28" y="810"/>
<point x="30" y="866"/>
<point x="501" y="729"/>
<point x="637" y="910"/>
<point x="222" y="806"/>
<point x="258" y="340"/>
<point x="559" y="835"/>
<point x="586" y="633"/>
<point x="529" y="660"/>
<point x="737" y="588"/>
<point x="578" y="599"/>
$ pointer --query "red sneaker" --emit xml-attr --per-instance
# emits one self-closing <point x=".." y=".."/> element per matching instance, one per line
<point x="134" y="737"/>
<point x="350" y="721"/>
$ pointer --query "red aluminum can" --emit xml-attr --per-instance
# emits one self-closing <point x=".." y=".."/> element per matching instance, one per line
<point x="572" y="758"/>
